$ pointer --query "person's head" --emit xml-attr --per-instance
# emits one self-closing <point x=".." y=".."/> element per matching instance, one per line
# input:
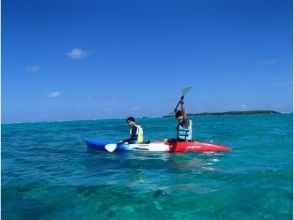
<point x="179" y="116"/>
<point x="131" y="121"/>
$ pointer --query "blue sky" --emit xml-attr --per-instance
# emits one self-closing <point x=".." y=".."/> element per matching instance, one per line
<point x="90" y="59"/>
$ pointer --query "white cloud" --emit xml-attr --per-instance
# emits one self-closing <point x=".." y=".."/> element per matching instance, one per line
<point x="135" y="108"/>
<point x="268" y="62"/>
<point x="32" y="69"/>
<point x="244" y="106"/>
<point x="106" y="110"/>
<point x="77" y="53"/>
<point x="92" y="97"/>
<point x="284" y="83"/>
<point x="53" y="94"/>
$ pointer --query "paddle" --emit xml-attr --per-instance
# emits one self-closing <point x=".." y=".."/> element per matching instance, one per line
<point x="110" y="147"/>
<point x="185" y="91"/>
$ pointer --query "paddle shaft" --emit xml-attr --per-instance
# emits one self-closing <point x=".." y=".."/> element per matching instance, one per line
<point x="182" y="97"/>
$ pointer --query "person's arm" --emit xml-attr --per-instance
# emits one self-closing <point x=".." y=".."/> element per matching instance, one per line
<point x="183" y="109"/>
<point x="133" y="136"/>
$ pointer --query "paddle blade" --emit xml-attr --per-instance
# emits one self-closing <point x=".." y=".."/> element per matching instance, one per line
<point x="186" y="90"/>
<point x="110" y="147"/>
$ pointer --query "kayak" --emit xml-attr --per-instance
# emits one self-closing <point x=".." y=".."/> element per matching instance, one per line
<point x="157" y="146"/>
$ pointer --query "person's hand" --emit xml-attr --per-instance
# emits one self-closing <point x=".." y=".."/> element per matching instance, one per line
<point x="182" y="100"/>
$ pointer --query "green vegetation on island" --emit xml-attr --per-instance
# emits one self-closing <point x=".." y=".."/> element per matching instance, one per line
<point x="230" y="113"/>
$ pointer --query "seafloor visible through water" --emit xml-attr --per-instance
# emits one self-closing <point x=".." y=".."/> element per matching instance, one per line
<point x="48" y="172"/>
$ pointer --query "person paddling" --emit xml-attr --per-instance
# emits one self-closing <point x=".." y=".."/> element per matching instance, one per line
<point x="184" y="126"/>
<point x="136" y="132"/>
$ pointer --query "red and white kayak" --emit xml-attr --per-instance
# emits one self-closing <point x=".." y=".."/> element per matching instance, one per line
<point x="159" y="146"/>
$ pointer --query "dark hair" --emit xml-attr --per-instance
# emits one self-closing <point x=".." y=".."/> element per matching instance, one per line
<point x="179" y="113"/>
<point x="130" y="119"/>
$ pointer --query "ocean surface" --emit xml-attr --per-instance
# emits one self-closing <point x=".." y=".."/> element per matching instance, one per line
<point x="48" y="172"/>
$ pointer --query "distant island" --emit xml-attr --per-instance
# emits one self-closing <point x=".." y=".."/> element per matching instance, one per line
<point x="230" y="113"/>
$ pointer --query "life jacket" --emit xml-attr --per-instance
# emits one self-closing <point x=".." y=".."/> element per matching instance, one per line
<point x="185" y="132"/>
<point x="140" y="137"/>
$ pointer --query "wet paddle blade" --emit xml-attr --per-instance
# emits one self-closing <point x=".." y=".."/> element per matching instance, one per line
<point x="110" y="147"/>
<point x="186" y="90"/>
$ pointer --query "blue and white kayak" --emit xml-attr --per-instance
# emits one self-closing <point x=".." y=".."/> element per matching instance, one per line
<point x="160" y="146"/>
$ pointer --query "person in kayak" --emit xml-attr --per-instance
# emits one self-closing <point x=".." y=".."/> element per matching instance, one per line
<point x="184" y="127"/>
<point x="136" y="132"/>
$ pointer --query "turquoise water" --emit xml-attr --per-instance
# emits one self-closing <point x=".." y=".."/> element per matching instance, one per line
<point x="48" y="172"/>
